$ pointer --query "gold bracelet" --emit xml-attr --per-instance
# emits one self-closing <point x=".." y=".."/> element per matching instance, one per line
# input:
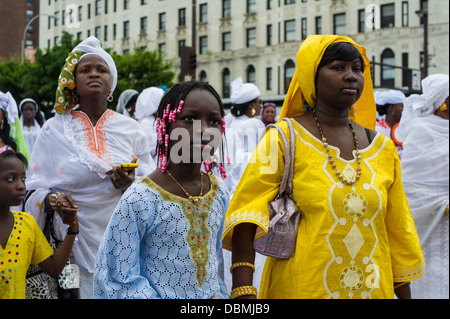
<point x="242" y="264"/>
<point x="401" y="284"/>
<point x="244" y="291"/>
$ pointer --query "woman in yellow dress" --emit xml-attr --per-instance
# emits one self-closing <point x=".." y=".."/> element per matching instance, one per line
<point x="356" y="237"/>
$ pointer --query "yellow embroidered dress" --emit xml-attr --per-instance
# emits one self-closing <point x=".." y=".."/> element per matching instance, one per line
<point x="353" y="241"/>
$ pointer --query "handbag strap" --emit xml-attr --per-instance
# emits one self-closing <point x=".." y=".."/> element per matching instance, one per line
<point x="289" y="153"/>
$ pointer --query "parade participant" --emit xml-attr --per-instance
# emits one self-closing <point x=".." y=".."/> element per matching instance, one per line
<point x="127" y="103"/>
<point x="76" y="151"/>
<point x="268" y="114"/>
<point x="146" y="106"/>
<point x="356" y="236"/>
<point x="164" y="238"/>
<point x="31" y="121"/>
<point x="22" y="243"/>
<point x="425" y="171"/>
<point x="11" y="136"/>
<point x="389" y="107"/>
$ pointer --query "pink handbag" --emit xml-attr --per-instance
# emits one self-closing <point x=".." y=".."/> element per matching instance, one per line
<point x="281" y="237"/>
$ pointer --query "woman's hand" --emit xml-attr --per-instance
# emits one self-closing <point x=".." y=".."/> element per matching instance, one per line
<point x="67" y="209"/>
<point x="122" y="178"/>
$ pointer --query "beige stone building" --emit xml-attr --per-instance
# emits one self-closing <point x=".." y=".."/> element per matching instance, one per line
<point x="258" y="39"/>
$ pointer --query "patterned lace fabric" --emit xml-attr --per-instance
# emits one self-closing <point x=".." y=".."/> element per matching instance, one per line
<point x="159" y="245"/>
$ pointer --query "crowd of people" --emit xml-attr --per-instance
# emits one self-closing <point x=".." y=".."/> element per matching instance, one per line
<point x="164" y="197"/>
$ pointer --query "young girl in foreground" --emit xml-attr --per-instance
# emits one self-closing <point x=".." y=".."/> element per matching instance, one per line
<point x="22" y="242"/>
<point x="164" y="238"/>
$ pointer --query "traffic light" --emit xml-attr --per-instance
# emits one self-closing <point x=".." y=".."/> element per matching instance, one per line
<point x="188" y="62"/>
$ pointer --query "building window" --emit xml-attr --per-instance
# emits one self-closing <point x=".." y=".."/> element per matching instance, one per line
<point x="98" y="32"/>
<point x="339" y="26"/>
<point x="226" y="8"/>
<point x="162" y="21"/>
<point x="269" y="4"/>
<point x="226" y="83"/>
<point x="304" y="28"/>
<point x="114" y="31"/>
<point x="387" y="16"/>
<point x="318" y="25"/>
<point x="204" y="12"/>
<point x="203" y="45"/>
<point x="143" y="24"/>
<point x="226" y="41"/>
<point x="269" y="79"/>
<point x="89" y="11"/>
<point x="181" y="17"/>
<point x="181" y="43"/>
<point x="289" y="30"/>
<point x="289" y="70"/>
<point x="106" y="6"/>
<point x="289" y="1"/>
<point x="56" y="19"/>
<point x="126" y="4"/>
<point x="80" y="13"/>
<point x="203" y="77"/>
<point x="269" y="34"/>
<point x="251" y="6"/>
<point x="105" y="33"/>
<point x="98" y="7"/>
<point x="387" y="72"/>
<point x="144" y="2"/>
<point x="251" y="37"/>
<point x="251" y="74"/>
<point x="405" y="13"/>
<point x="126" y="29"/>
<point x="361" y="20"/>
<point x="405" y="72"/>
<point x="162" y="48"/>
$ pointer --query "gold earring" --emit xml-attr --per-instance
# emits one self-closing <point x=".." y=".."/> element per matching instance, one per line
<point x="443" y="107"/>
<point x="110" y="97"/>
<point x="253" y="111"/>
<point x="1" y="125"/>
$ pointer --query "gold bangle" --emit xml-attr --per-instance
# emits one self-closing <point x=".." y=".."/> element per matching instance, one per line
<point x="401" y="284"/>
<point x="244" y="291"/>
<point x="242" y="264"/>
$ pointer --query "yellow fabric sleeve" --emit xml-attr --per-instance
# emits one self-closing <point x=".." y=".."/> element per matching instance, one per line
<point x="258" y="185"/>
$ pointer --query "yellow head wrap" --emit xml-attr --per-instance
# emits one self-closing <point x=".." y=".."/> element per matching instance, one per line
<point x="302" y="87"/>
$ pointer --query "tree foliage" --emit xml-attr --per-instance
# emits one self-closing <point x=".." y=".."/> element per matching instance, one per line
<point x="39" y="80"/>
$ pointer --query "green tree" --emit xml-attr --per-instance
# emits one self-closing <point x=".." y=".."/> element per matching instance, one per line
<point x="141" y="70"/>
<point x="39" y="80"/>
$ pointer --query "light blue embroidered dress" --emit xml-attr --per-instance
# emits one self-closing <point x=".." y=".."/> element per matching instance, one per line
<point x="159" y="245"/>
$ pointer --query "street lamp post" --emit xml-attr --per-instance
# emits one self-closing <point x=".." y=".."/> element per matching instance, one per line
<point x="25" y="31"/>
<point x="424" y="15"/>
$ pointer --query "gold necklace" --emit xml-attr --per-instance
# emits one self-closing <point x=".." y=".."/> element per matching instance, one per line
<point x="331" y="160"/>
<point x="195" y="199"/>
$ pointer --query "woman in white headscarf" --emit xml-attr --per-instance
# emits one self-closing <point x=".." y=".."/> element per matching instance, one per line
<point x="11" y="136"/>
<point x="76" y="163"/>
<point x="389" y="107"/>
<point x="31" y="121"/>
<point x="146" y="106"/>
<point x="127" y="103"/>
<point x="244" y="128"/>
<point x="424" y="128"/>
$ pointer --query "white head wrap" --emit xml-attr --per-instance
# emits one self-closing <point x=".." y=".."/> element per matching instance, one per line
<point x="435" y="90"/>
<point x="124" y="98"/>
<point x="389" y="97"/>
<point x="26" y="101"/>
<point x="92" y="46"/>
<point x="9" y="105"/>
<point x="243" y="93"/>
<point x="148" y="102"/>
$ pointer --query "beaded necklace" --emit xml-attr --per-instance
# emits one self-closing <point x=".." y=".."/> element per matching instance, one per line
<point x="331" y="160"/>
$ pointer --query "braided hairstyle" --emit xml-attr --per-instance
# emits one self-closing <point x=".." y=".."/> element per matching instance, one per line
<point x="170" y="105"/>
